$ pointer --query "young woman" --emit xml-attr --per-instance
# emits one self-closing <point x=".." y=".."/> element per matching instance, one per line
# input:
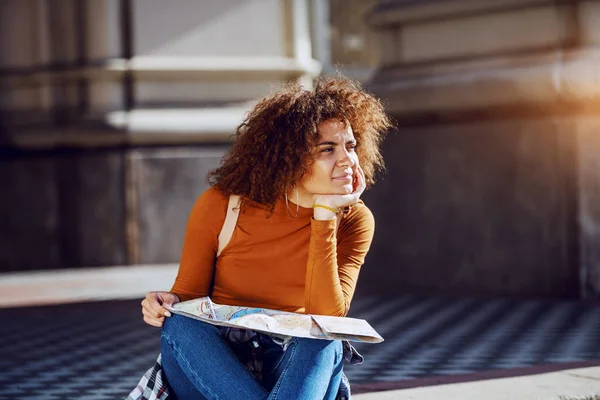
<point x="300" y="163"/>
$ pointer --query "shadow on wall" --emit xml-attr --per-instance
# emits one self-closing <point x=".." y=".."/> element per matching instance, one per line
<point x="484" y="205"/>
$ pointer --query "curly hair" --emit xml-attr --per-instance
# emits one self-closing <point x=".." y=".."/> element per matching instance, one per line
<point x="274" y="144"/>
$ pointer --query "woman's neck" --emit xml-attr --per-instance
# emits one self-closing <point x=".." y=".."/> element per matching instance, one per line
<point x="300" y="197"/>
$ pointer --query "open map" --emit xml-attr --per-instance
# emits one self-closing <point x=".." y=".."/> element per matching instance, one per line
<point x="278" y="323"/>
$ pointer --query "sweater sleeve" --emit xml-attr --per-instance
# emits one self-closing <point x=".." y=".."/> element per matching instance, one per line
<point x="333" y="265"/>
<point x="196" y="267"/>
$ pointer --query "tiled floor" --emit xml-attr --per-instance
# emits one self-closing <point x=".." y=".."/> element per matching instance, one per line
<point x="99" y="350"/>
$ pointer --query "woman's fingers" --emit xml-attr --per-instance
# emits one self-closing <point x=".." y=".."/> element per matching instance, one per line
<point x="159" y="311"/>
<point x="362" y="181"/>
<point x="154" y="322"/>
<point x="152" y="318"/>
<point x="152" y="310"/>
<point x="156" y="302"/>
<point x="167" y="299"/>
<point x="360" y="186"/>
<point x="151" y="314"/>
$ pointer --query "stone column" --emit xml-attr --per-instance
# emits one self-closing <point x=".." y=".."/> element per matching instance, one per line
<point x="493" y="182"/>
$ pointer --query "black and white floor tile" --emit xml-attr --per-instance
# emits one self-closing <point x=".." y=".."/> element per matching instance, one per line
<point x="99" y="350"/>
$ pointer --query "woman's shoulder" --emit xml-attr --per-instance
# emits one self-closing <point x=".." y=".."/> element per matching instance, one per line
<point x="213" y="195"/>
<point x="211" y="204"/>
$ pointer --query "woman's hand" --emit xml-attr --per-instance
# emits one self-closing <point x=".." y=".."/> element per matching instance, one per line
<point x="339" y="201"/>
<point x="153" y="307"/>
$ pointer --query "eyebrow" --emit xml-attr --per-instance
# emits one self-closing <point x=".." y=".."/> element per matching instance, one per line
<point x="334" y="143"/>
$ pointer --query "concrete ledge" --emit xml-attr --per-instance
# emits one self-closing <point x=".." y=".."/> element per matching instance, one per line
<point x="396" y="13"/>
<point x="172" y="69"/>
<point x="218" y="121"/>
<point x="166" y="126"/>
<point x="561" y="385"/>
<point x="85" y="284"/>
<point x="572" y="77"/>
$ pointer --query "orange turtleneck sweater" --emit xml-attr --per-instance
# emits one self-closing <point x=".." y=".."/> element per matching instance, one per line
<point x="278" y="262"/>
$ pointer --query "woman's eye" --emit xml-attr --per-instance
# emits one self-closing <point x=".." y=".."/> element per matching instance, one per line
<point x="327" y="150"/>
<point x="352" y="147"/>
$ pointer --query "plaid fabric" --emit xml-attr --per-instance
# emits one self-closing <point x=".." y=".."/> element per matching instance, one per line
<point x="351" y="354"/>
<point x="153" y="385"/>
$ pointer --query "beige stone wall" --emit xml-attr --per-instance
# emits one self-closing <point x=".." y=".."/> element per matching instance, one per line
<point x="353" y="42"/>
<point x="184" y="55"/>
<point x="112" y="116"/>
<point x="71" y="62"/>
<point x="493" y="171"/>
<point x="486" y="54"/>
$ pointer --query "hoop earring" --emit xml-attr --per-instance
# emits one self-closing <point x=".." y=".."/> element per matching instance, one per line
<point x="287" y="204"/>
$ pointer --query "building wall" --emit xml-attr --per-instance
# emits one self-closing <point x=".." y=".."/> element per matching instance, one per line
<point x="114" y="111"/>
<point x="482" y="208"/>
<point x="62" y="209"/>
<point x="354" y="44"/>
<point x="492" y="172"/>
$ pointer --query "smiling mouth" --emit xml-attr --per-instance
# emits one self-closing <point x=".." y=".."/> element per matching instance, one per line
<point x="347" y="177"/>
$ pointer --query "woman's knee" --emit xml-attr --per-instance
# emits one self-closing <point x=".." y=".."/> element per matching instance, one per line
<point x="173" y="325"/>
<point x="338" y="350"/>
<point x="186" y="335"/>
<point x="172" y="332"/>
<point x="331" y="348"/>
<point x="178" y="326"/>
<point x="332" y="345"/>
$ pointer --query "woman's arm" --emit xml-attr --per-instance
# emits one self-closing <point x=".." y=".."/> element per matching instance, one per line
<point x="196" y="268"/>
<point x="333" y="265"/>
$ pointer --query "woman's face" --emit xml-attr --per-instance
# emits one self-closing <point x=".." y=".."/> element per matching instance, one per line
<point x="335" y="161"/>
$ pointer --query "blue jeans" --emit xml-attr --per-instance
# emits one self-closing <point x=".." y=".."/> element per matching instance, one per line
<point x="199" y="364"/>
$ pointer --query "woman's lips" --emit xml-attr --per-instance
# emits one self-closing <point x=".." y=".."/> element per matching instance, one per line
<point x="345" y="177"/>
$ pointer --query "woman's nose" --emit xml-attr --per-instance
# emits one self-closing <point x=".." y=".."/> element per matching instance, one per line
<point x="345" y="159"/>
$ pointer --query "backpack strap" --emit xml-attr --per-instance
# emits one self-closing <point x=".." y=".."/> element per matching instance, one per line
<point x="233" y="212"/>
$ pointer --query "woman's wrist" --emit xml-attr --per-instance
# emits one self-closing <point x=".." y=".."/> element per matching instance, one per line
<point x="324" y="212"/>
<point x="178" y="300"/>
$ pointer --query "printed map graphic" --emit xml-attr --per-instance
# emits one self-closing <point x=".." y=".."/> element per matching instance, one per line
<point x="279" y="323"/>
